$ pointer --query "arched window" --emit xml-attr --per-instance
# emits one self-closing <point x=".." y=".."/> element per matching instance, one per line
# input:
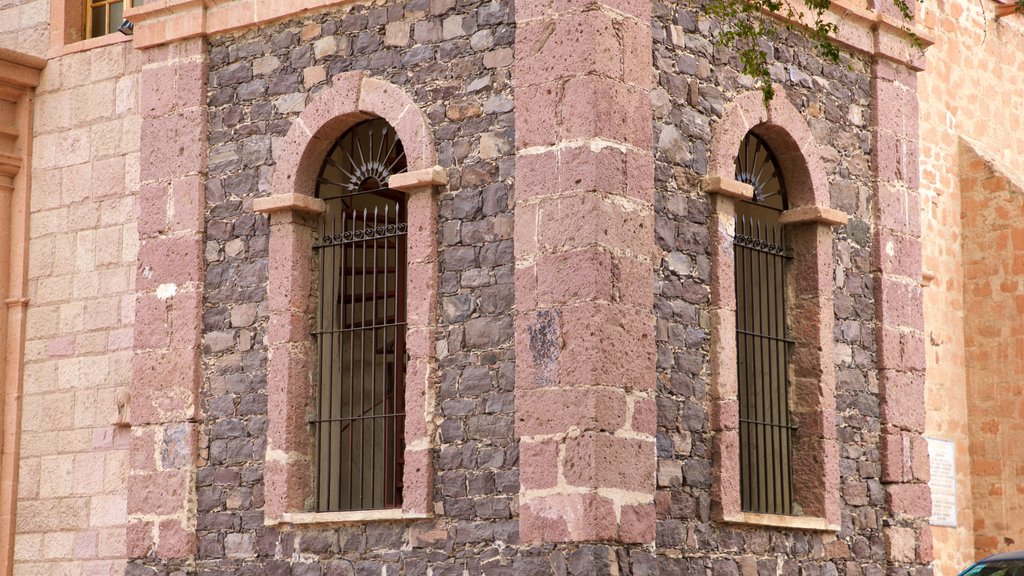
<point x="360" y="327"/>
<point x="763" y="345"/>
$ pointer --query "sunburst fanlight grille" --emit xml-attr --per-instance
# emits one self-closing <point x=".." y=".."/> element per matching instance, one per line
<point x="756" y="165"/>
<point x="362" y="160"/>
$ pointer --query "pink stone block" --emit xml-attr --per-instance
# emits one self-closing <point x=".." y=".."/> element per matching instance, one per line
<point x="422" y="281"/>
<point x="637" y="524"/>
<point x="537" y="120"/>
<point x="142" y="450"/>
<point x="575" y="275"/>
<point x="289" y="391"/>
<point x="417" y="138"/>
<point x="291" y="277"/>
<point x="526" y="289"/>
<point x="176" y="260"/>
<point x="637" y="56"/>
<point x="151" y="322"/>
<point x="534" y="174"/>
<point x="187" y="205"/>
<point x="640" y="177"/>
<point x="726" y="473"/>
<point x="567" y="518"/>
<point x="417" y="377"/>
<point x="898" y="303"/>
<point x="594" y="106"/>
<point x="607" y="345"/>
<point x="645" y="416"/>
<point x="580" y="168"/>
<point x="599" y="460"/>
<point x="287" y="486"/>
<point x="186" y="320"/>
<point x="903" y="399"/>
<point x="636" y="8"/>
<point x="164" y="386"/>
<point x="725" y="415"/>
<point x="900" y="350"/>
<point x="557" y="410"/>
<point x="158" y="493"/>
<point x="566" y="46"/>
<point x="525" y="231"/>
<point x="897" y="254"/>
<point x="156" y="91"/>
<point x="302" y="156"/>
<point x="173" y="145"/>
<point x="530" y="9"/>
<point x="288" y="326"/>
<point x="538" y="464"/>
<point x="190" y="84"/>
<point x="152" y="201"/>
<point x="746" y="111"/>
<point x="634" y="282"/>
<point x="417" y="482"/>
<point x="910" y="499"/>
<point x="422" y="225"/>
<point x="586" y="219"/>
<point x="139" y="538"/>
<point x="175" y="541"/>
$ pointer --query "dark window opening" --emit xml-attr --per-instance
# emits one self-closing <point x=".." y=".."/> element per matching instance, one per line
<point x="360" y="326"/>
<point x="763" y="346"/>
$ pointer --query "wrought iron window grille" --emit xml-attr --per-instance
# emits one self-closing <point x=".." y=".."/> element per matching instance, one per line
<point x="361" y="248"/>
<point x="763" y="343"/>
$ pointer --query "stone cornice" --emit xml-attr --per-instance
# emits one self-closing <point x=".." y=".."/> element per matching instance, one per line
<point x="164" y="21"/>
<point x="17" y="69"/>
<point x="871" y="33"/>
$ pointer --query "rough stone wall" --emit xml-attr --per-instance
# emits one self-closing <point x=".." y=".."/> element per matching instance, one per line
<point x="974" y="59"/>
<point x="24" y="26"/>
<point x="992" y="245"/>
<point x="455" y="62"/>
<point x="696" y="81"/>
<point x="83" y="243"/>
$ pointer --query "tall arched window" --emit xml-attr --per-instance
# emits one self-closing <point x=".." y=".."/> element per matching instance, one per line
<point x="763" y="345"/>
<point x="360" y="327"/>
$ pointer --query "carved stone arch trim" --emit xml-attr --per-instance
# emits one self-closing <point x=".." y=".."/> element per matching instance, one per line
<point x="787" y="134"/>
<point x="294" y="214"/>
<point x="352" y="97"/>
<point x="808" y="220"/>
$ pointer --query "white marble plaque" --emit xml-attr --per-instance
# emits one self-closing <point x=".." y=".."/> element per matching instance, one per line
<point x="943" y="481"/>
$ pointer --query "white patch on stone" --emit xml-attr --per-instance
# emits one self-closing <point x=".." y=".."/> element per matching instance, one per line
<point x="889" y="248"/>
<point x="165" y="291"/>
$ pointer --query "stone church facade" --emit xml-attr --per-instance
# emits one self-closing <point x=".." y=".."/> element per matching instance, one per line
<point x="577" y="368"/>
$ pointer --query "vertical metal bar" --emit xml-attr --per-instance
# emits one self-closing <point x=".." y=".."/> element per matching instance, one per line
<point x="384" y="366"/>
<point x="742" y="388"/>
<point x="401" y="316"/>
<point x="350" y="425"/>
<point x="773" y="344"/>
<point x="787" y="455"/>
<point x="373" y="373"/>
<point x="363" y="369"/>
<point x="749" y="351"/>
<point x="762" y="478"/>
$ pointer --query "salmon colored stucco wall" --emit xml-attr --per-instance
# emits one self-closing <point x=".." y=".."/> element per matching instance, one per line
<point x="972" y="104"/>
<point x="72" y="509"/>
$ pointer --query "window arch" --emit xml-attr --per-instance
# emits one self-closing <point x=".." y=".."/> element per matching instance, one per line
<point x="765" y="164"/>
<point x="763" y="345"/>
<point x="296" y="226"/>
<point x="361" y="249"/>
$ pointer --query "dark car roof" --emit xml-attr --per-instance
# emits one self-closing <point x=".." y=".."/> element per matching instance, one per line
<point x="1018" y="555"/>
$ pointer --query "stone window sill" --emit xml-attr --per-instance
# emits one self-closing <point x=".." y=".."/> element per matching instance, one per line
<point x="779" y="521"/>
<point x="99" y="41"/>
<point x="321" y="518"/>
